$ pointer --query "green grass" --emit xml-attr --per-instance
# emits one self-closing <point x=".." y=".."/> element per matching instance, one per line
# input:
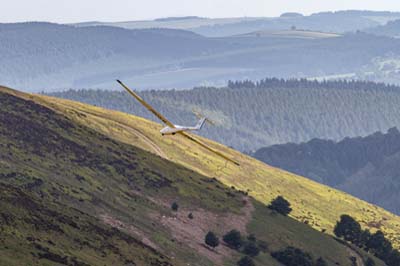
<point x="70" y="177"/>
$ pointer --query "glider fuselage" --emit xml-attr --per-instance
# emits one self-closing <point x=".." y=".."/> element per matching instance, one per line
<point x="172" y="131"/>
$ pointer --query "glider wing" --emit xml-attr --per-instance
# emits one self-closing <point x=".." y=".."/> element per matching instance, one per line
<point x="148" y="106"/>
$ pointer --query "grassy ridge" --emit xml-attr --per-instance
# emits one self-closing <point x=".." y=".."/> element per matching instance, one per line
<point x="315" y="204"/>
<point x="73" y="196"/>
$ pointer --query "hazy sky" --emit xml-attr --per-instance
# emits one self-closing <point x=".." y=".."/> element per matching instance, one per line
<point x="120" y="10"/>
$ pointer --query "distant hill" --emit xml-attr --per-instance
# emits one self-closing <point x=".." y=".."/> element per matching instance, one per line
<point x="366" y="167"/>
<point x="291" y="15"/>
<point x="45" y="56"/>
<point x="340" y="22"/>
<point x="83" y="185"/>
<point x="293" y="33"/>
<point x="53" y="55"/>
<point x="251" y="116"/>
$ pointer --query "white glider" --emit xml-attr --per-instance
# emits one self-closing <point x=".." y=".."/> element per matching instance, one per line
<point x="172" y="129"/>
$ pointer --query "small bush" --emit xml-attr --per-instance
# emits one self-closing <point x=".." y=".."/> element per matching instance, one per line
<point x="293" y="257"/>
<point x="233" y="239"/>
<point x="251" y="249"/>
<point x="246" y="261"/>
<point x="175" y="207"/>
<point x="280" y="205"/>
<point x="211" y="240"/>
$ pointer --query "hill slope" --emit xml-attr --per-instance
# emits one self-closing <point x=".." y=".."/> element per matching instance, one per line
<point x="275" y="111"/>
<point x="310" y="200"/>
<point x="74" y="196"/>
<point x="367" y="167"/>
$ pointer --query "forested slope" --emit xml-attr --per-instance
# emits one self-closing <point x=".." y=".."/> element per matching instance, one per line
<point x="251" y="116"/>
<point x="367" y="167"/>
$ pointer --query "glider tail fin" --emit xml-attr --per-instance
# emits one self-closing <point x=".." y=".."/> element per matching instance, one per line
<point x="200" y="124"/>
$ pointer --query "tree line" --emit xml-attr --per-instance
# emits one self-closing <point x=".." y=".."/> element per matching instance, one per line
<point x="311" y="83"/>
<point x="376" y="243"/>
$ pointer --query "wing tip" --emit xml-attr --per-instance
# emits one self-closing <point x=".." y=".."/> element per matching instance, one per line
<point x="119" y="81"/>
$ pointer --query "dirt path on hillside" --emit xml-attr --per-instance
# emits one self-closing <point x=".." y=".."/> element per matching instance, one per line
<point x="353" y="253"/>
<point x="157" y="150"/>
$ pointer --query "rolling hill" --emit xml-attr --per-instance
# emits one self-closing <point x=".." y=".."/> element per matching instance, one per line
<point x="297" y="34"/>
<point x="49" y="57"/>
<point x="341" y="21"/>
<point x="273" y="111"/>
<point x="79" y="188"/>
<point x="367" y="167"/>
<point x="310" y="200"/>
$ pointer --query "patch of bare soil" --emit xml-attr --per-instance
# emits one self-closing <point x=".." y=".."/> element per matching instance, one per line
<point x="191" y="232"/>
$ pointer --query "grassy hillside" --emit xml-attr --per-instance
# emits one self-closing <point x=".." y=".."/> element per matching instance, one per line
<point x="315" y="204"/>
<point x="78" y="190"/>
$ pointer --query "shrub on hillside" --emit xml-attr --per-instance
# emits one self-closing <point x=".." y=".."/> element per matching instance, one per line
<point x="379" y="245"/>
<point x="348" y="228"/>
<point x="211" y="240"/>
<point x="233" y="239"/>
<point x="246" y="261"/>
<point x="293" y="257"/>
<point x="251" y="249"/>
<point x="280" y="205"/>
<point x="376" y="243"/>
<point x="175" y="206"/>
